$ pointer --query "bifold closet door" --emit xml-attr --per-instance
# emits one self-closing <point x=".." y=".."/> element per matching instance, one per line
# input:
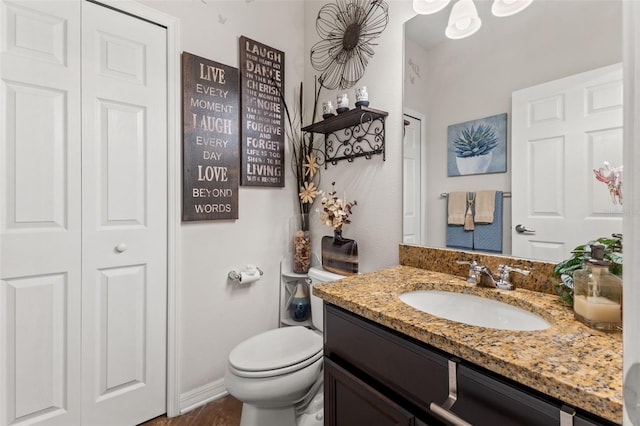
<point x="40" y="251"/>
<point x="83" y="219"/>
<point x="123" y="217"/>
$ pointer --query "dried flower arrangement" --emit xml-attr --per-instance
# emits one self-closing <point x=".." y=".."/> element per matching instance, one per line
<point x="335" y="211"/>
<point x="306" y="159"/>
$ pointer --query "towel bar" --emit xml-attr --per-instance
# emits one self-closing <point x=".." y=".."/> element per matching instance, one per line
<point x="504" y="194"/>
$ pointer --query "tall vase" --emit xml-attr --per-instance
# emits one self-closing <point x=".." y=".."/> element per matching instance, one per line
<point x="339" y="255"/>
<point x="301" y="240"/>
<point x="300" y="306"/>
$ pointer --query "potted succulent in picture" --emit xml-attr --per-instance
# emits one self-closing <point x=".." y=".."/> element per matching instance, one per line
<point x="473" y="148"/>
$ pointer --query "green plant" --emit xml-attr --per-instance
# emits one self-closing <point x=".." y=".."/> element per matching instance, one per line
<point x="565" y="269"/>
<point x="475" y="141"/>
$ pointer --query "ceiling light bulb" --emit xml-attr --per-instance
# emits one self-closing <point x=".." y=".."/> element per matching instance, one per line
<point x="427" y="7"/>
<point x="463" y="24"/>
<point x="463" y="20"/>
<point x="509" y="7"/>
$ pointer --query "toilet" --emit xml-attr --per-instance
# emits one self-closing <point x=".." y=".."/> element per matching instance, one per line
<point x="278" y="374"/>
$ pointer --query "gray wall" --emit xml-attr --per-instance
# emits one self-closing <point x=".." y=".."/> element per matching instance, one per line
<point x="214" y="315"/>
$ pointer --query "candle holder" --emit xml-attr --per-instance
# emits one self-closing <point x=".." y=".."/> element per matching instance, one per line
<point x="597" y="298"/>
<point x="342" y="103"/>
<point x="362" y="96"/>
<point x="327" y="110"/>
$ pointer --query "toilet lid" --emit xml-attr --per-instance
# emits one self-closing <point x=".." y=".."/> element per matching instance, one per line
<point x="275" y="349"/>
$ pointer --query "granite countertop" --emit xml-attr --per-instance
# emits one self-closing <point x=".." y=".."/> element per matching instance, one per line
<point x="569" y="361"/>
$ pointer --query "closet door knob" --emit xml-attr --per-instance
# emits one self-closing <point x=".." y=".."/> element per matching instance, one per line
<point x="121" y="247"/>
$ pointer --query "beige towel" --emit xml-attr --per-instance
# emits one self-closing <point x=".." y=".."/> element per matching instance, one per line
<point x="468" y="217"/>
<point x="457" y="208"/>
<point x="485" y="206"/>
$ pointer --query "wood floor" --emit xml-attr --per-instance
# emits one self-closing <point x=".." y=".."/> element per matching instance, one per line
<point x="222" y="412"/>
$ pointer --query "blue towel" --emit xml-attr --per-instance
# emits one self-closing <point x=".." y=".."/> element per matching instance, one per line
<point x="457" y="237"/>
<point x="488" y="236"/>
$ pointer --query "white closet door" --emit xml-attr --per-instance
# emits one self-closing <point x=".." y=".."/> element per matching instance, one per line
<point x="40" y="213"/>
<point x="82" y="215"/>
<point x="124" y="160"/>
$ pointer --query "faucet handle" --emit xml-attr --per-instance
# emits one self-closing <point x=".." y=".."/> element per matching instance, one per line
<point x="472" y="277"/>
<point x="504" y="277"/>
<point x="507" y="269"/>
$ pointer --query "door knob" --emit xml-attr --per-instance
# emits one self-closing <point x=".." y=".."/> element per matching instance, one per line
<point x="121" y="247"/>
<point x="521" y="229"/>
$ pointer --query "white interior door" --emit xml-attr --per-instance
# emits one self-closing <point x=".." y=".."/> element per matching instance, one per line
<point x="561" y="132"/>
<point x="124" y="217"/>
<point x="83" y="221"/>
<point x="40" y="217"/>
<point x="412" y="188"/>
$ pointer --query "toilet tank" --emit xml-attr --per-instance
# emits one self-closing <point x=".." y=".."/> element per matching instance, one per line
<point x="317" y="275"/>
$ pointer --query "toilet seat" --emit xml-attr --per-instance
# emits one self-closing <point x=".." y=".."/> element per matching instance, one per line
<point x="276" y="352"/>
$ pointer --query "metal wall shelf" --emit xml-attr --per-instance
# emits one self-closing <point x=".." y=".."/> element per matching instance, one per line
<point x="363" y="132"/>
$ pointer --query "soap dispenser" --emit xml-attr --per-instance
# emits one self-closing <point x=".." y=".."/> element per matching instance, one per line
<point x="597" y="293"/>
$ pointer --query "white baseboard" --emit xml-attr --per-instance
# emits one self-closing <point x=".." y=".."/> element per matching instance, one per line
<point x="202" y="395"/>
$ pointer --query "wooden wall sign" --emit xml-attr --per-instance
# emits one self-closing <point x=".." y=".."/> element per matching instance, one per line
<point x="262" y="112"/>
<point x="210" y="140"/>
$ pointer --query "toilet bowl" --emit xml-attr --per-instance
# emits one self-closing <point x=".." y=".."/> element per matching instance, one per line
<point x="278" y="374"/>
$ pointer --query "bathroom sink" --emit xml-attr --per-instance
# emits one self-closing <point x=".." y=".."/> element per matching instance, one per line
<point x="474" y="310"/>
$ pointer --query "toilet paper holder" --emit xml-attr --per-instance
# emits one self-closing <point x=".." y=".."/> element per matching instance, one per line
<point x="251" y="270"/>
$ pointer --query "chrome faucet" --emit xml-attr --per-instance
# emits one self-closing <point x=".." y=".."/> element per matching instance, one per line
<point x="483" y="277"/>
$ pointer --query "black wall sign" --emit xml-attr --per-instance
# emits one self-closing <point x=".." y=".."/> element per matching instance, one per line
<point x="210" y="140"/>
<point x="262" y="112"/>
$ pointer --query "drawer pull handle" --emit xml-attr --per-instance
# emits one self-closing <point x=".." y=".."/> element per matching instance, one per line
<point x="447" y="416"/>
<point x="442" y="411"/>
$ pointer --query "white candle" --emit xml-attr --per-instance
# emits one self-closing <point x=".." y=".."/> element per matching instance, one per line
<point x="597" y="309"/>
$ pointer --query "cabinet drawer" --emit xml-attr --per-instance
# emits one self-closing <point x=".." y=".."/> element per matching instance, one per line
<point x="350" y="401"/>
<point x="483" y="400"/>
<point x="417" y="374"/>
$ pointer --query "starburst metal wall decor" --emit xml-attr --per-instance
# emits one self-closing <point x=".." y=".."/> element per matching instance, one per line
<point x="348" y="29"/>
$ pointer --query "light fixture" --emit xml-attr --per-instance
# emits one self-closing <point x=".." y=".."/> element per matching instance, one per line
<point x="427" y="7"/>
<point x="509" y="7"/>
<point x="464" y="20"/>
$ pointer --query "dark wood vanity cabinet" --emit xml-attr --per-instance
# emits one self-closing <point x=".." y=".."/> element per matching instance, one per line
<point x="354" y="402"/>
<point x="377" y="376"/>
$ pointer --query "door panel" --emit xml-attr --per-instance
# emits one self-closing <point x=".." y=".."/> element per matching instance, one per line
<point x="561" y="131"/>
<point x="122" y="140"/>
<point x="412" y="195"/>
<point x="122" y="362"/>
<point x="36" y="330"/>
<point x="36" y="180"/>
<point x="124" y="217"/>
<point x="40" y="213"/>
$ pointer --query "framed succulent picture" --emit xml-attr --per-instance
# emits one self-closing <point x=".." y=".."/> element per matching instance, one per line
<point x="477" y="146"/>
